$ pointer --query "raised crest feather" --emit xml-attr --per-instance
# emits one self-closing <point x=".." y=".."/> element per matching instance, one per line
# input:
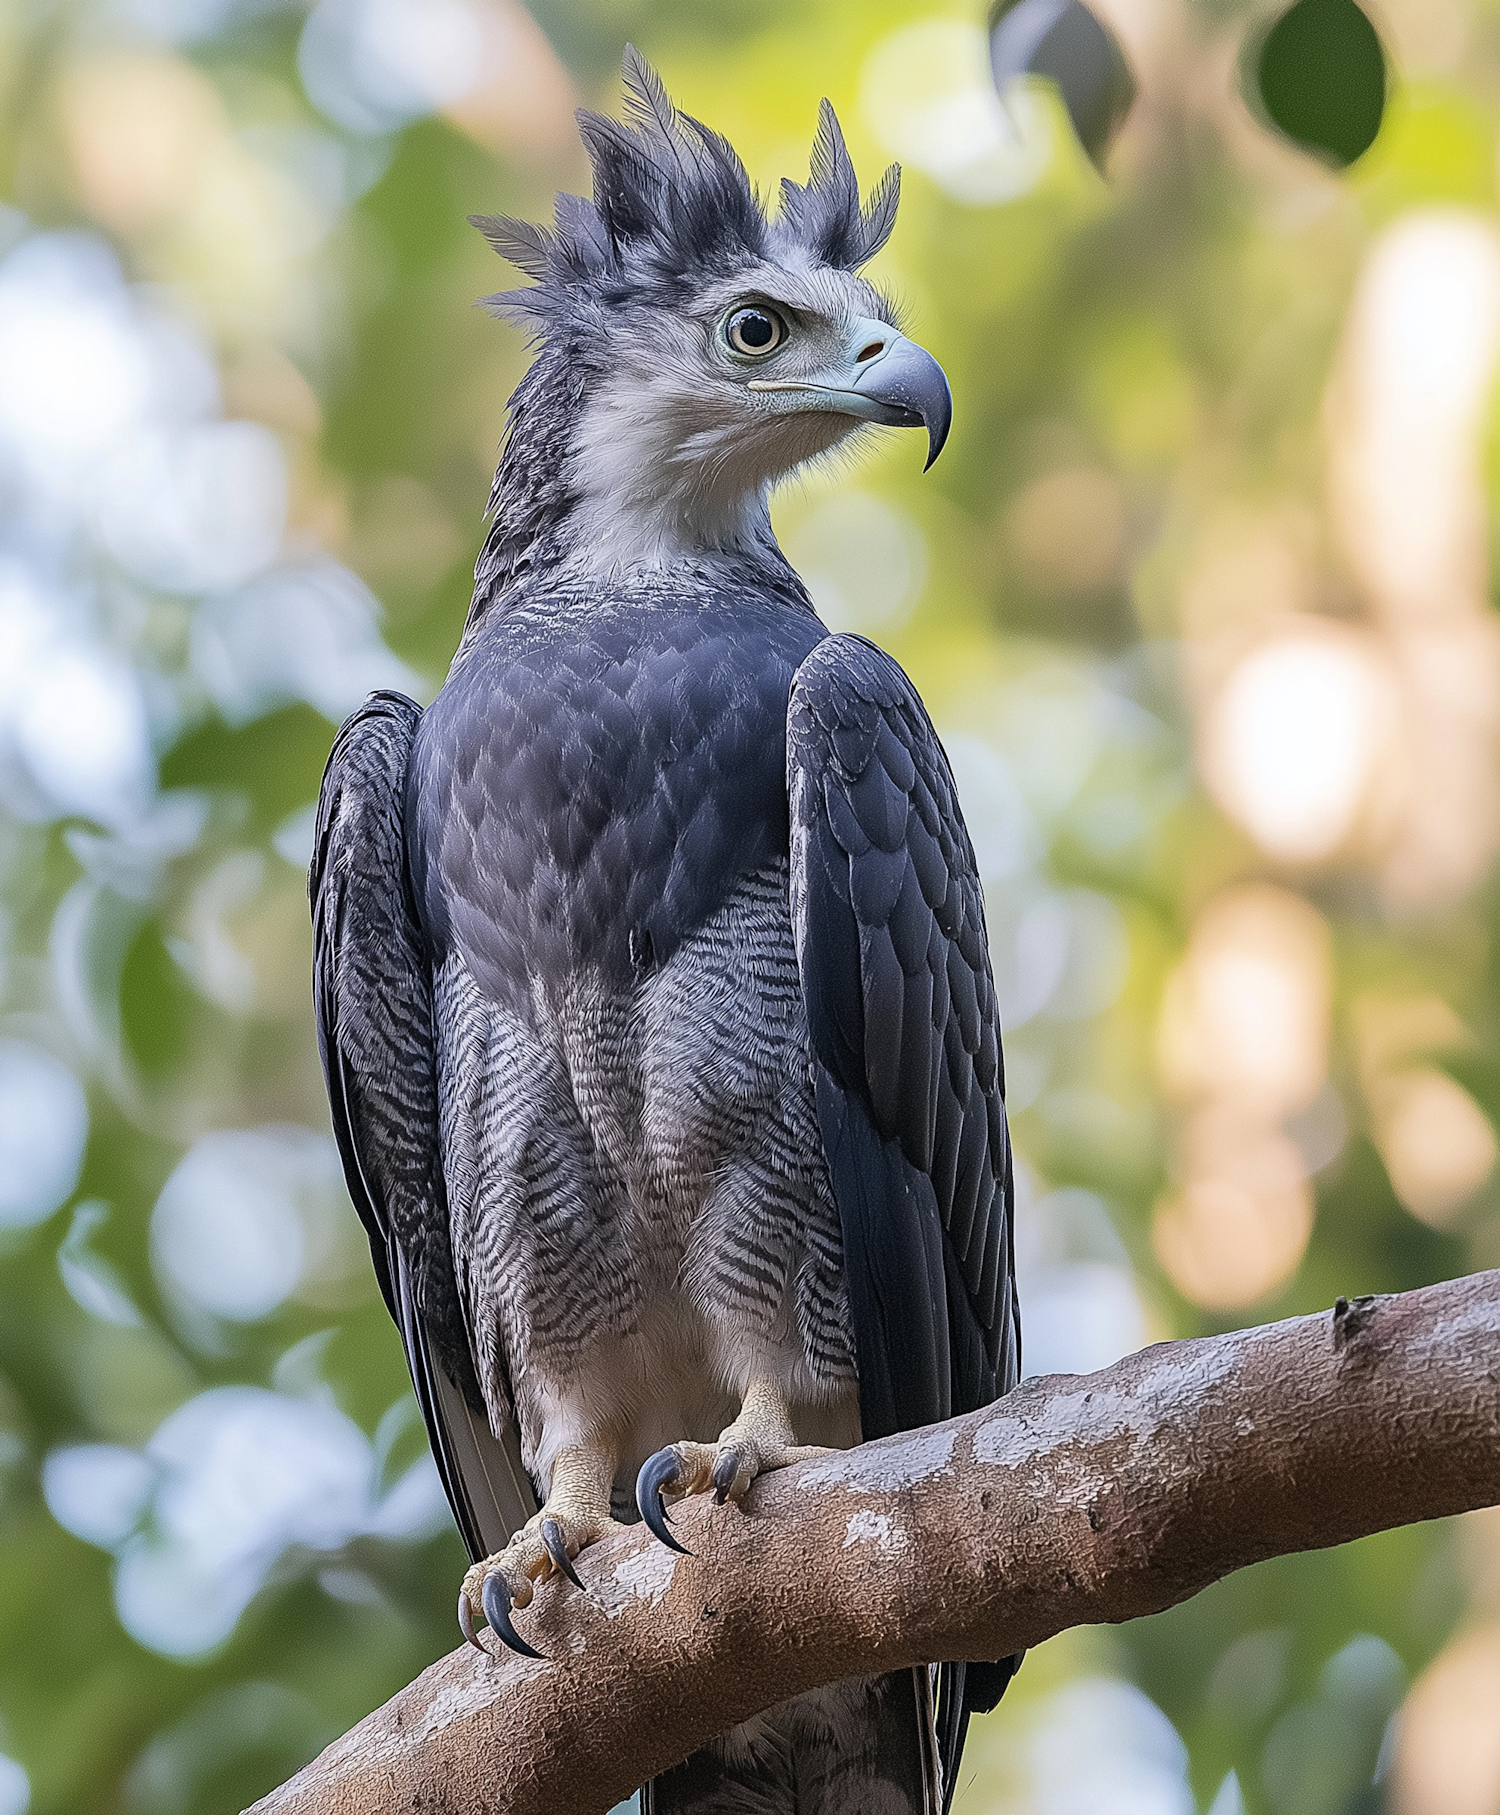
<point x="880" y="213"/>
<point x="825" y="213"/>
<point x="647" y="105"/>
<point x="829" y="165"/>
<point x="672" y="202"/>
<point x="527" y="246"/>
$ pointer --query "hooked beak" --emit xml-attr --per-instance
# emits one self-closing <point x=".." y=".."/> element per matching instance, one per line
<point x="891" y="381"/>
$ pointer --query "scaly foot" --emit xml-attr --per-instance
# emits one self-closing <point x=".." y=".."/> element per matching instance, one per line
<point x="759" y="1440"/>
<point x="576" y="1514"/>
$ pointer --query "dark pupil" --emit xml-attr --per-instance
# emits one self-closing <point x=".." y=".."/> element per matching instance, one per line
<point x="755" y="329"/>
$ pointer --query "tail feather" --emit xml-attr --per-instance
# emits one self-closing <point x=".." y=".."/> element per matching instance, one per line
<point x="863" y="1747"/>
<point x="950" y="1725"/>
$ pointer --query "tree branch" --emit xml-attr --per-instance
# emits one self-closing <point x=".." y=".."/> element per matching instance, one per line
<point x="1076" y="1500"/>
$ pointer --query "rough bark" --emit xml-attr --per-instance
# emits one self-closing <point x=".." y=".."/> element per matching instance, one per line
<point x="1076" y="1500"/>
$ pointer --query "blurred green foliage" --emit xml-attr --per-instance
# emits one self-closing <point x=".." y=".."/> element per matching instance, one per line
<point x="1156" y="348"/>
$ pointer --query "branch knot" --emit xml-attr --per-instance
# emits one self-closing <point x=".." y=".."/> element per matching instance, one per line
<point x="1351" y="1318"/>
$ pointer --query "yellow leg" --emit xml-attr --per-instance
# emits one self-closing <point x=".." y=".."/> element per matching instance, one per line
<point x="575" y="1514"/>
<point x="761" y="1438"/>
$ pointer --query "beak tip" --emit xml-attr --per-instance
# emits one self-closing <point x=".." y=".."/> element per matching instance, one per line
<point x="937" y="424"/>
<point x="915" y="388"/>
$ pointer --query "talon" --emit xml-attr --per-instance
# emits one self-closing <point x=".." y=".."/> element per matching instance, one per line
<point x="466" y="1623"/>
<point x="552" y="1537"/>
<point x="656" y="1472"/>
<point x="497" y="1604"/>
<point x="726" y="1472"/>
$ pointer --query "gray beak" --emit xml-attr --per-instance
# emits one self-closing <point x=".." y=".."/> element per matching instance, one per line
<point x="891" y="380"/>
<point x="909" y="390"/>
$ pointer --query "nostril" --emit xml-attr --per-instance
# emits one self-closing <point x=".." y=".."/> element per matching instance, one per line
<point x="869" y="352"/>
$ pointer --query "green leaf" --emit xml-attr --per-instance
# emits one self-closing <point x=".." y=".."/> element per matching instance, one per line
<point x="1319" y="76"/>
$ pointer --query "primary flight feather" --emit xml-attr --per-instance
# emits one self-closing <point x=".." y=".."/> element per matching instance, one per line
<point x="652" y="986"/>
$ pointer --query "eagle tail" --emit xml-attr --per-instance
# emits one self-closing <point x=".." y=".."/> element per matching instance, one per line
<point x="867" y="1746"/>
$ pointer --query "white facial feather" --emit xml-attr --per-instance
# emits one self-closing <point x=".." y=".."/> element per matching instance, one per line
<point x="674" y="456"/>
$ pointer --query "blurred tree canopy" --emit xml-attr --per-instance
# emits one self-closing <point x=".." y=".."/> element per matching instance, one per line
<point x="1199" y="596"/>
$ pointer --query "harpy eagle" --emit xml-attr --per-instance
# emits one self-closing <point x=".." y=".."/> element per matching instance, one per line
<point x="652" y="986"/>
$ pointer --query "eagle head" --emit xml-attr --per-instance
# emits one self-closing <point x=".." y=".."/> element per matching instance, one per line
<point x="692" y="348"/>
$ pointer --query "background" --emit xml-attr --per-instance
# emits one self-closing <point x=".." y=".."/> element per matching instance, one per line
<point x="1199" y="597"/>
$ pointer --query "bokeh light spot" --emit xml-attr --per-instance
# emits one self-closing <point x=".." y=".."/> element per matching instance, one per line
<point x="83" y="732"/>
<point x="43" y="1126"/>
<point x="1101" y="1743"/>
<point x="863" y="560"/>
<point x="1437" y="1143"/>
<point x="98" y="1491"/>
<point x="15" y="1787"/>
<point x="1245" y="1017"/>
<point x="197" y="508"/>
<point x="242" y="1475"/>
<point x="241" y="1217"/>
<point x="928" y="93"/>
<point x="1293" y="741"/>
<point x="1237" y="1231"/>
<point x="73" y="377"/>
<point x="1448" y="1739"/>
<point x="375" y="64"/>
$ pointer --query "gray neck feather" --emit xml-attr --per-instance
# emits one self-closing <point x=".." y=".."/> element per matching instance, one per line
<point x="530" y="501"/>
<point x="603" y="477"/>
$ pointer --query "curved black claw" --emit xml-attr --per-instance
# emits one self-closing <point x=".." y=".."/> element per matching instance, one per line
<point x="496" y="1599"/>
<point x="558" y="1551"/>
<point x="656" y="1472"/>
<point x="466" y="1623"/>
<point x="726" y="1468"/>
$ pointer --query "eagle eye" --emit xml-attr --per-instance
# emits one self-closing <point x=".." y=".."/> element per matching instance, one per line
<point x="755" y="331"/>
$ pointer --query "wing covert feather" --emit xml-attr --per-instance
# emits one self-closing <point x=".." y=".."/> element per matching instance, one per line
<point x="889" y="918"/>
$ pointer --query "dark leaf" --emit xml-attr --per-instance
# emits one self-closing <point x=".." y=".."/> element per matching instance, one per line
<point x="1318" y="75"/>
<point x="1063" y="41"/>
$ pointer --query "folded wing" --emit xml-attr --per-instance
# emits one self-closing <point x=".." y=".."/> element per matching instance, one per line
<point x="889" y="921"/>
<point x="372" y="990"/>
